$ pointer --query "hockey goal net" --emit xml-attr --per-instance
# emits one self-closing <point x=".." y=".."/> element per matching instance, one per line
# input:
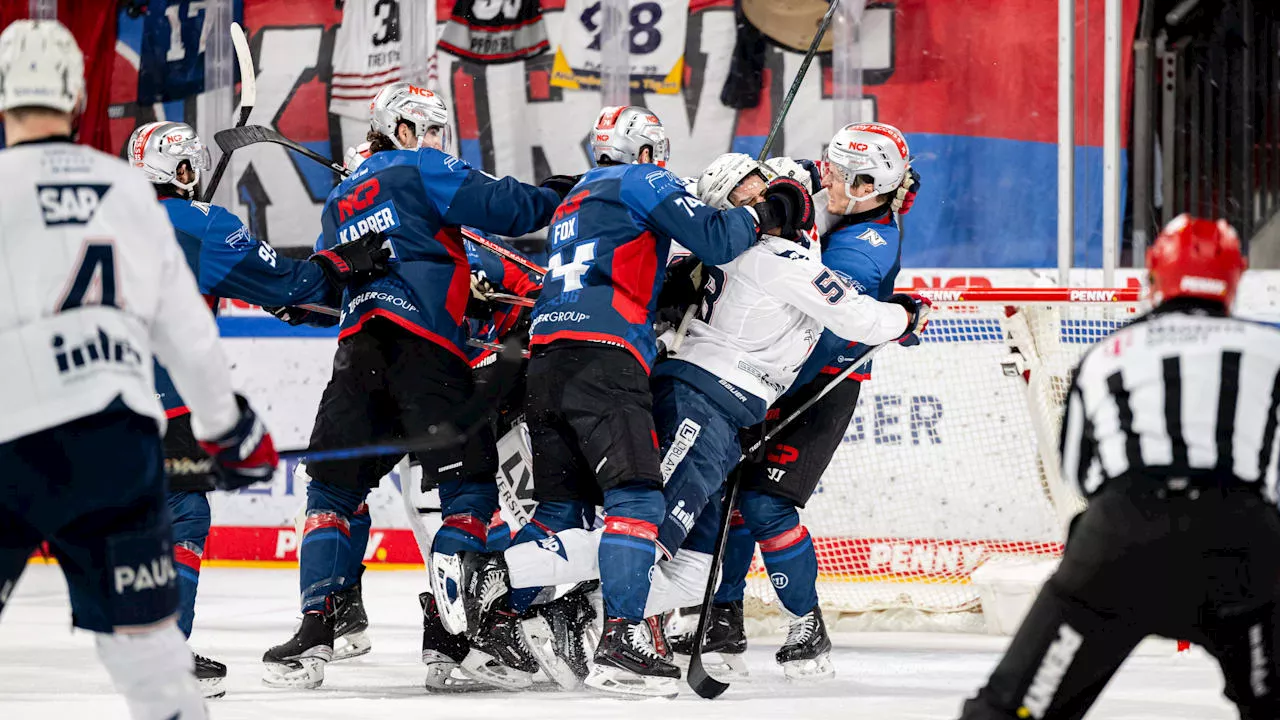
<point x="951" y="458"/>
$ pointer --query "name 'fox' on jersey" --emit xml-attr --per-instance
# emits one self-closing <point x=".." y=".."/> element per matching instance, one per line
<point x="609" y="241"/>
<point x="418" y="199"/>
<point x="866" y="250"/>
<point x="229" y="262"/>
<point x="94" y="285"/>
<point x="762" y="314"/>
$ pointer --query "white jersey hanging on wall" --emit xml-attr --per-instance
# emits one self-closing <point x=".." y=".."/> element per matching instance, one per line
<point x="366" y="55"/>
<point x="495" y="31"/>
<point x="655" y="30"/>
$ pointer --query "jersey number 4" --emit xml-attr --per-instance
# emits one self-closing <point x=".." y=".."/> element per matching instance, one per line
<point x="571" y="273"/>
<point x="94" y="281"/>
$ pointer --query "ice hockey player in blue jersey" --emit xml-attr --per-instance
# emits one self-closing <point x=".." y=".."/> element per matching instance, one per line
<point x="867" y="182"/>
<point x="588" y="404"/>
<point x="401" y="365"/>
<point x="227" y="262"/>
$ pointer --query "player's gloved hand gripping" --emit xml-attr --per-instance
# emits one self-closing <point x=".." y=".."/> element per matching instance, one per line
<point x="245" y="454"/>
<point x="361" y="259"/>
<point x="905" y="197"/>
<point x="561" y="184"/>
<point x="918" y="309"/>
<point x="301" y="316"/>
<point x="787" y="209"/>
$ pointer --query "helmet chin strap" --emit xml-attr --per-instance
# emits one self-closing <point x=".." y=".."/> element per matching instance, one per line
<point x="854" y="200"/>
<point x="187" y="186"/>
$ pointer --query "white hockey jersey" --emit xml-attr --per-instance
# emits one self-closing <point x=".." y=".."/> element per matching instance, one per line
<point x="366" y="55"/>
<point x="93" y="282"/>
<point x="763" y="312"/>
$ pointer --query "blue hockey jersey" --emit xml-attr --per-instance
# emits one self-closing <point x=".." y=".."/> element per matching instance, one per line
<point x="507" y="277"/>
<point x="418" y="199"/>
<point x="171" y="58"/>
<point x="229" y="262"/>
<point x="609" y="242"/>
<point x="866" y="249"/>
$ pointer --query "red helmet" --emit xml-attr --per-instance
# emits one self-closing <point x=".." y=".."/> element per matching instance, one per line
<point x="1197" y="258"/>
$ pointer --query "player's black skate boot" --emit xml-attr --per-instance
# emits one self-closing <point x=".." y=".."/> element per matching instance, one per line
<point x="560" y="632"/>
<point x="299" y="663"/>
<point x="210" y="674"/>
<point x="350" y="624"/>
<point x="806" y="654"/>
<point x="726" y="638"/>
<point x="442" y="651"/>
<point x="499" y="655"/>
<point x="626" y="662"/>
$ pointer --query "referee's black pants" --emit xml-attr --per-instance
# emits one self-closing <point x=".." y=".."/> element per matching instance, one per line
<point x="1202" y="566"/>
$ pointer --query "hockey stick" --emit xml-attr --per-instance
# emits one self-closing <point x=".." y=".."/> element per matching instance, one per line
<point x="702" y="682"/>
<point x="236" y="138"/>
<point x="795" y="84"/>
<point x="248" y="97"/>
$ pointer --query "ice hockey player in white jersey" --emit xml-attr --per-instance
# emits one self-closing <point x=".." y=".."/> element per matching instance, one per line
<point x="93" y="284"/>
<point x="366" y="58"/>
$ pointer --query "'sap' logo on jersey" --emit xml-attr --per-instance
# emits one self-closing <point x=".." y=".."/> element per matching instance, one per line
<point x="69" y="204"/>
<point x="382" y="218"/>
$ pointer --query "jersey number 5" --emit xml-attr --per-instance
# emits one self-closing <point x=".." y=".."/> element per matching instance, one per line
<point x="94" y="282"/>
<point x="831" y="287"/>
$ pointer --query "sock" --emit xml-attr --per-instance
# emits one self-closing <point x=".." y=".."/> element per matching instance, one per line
<point x="358" y="545"/>
<point x="498" y="536"/>
<point x="629" y="548"/>
<point x="738" y="554"/>
<point x="187" y="563"/>
<point x="191" y="520"/>
<point x="789" y="556"/>
<point x="324" y="554"/>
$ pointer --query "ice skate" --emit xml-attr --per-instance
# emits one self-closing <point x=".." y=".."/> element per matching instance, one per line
<point x="725" y="646"/>
<point x="442" y="652"/>
<point x="211" y="675"/>
<point x="299" y="663"/>
<point x="560" y="635"/>
<point x="350" y="624"/>
<point x="499" y="655"/>
<point x="626" y="663"/>
<point x="806" y="654"/>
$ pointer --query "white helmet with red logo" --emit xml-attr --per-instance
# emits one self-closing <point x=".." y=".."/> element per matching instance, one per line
<point x="420" y="108"/>
<point x="621" y="133"/>
<point x="158" y="148"/>
<point x="876" y="150"/>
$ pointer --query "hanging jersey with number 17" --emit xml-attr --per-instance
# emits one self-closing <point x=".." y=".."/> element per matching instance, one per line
<point x="655" y="35"/>
<point x="366" y="55"/>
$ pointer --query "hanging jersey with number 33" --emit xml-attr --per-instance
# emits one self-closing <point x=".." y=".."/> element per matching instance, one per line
<point x="609" y="242"/>
<point x="366" y="55"/>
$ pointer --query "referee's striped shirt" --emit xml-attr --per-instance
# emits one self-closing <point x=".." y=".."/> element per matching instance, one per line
<point x="1183" y="391"/>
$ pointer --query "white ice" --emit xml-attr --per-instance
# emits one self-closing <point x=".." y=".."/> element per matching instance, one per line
<point x="48" y="671"/>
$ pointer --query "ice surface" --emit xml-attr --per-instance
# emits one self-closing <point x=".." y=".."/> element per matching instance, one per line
<point x="49" y="672"/>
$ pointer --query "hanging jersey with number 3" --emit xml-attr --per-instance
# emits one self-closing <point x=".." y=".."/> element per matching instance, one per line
<point x="366" y="55"/>
<point x="655" y="36"/>
<point x="609" y="243"/>
<point x="93" y="285"/>
<point x="495" y="31"/>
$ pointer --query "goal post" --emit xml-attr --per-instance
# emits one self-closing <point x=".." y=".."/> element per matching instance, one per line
<point x="950" y="461"/>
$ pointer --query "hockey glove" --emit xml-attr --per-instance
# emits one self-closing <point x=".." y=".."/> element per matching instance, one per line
<point x="906" y="195"/>
<point x="918" y="308"/>
<point x="561" y="184"/>
<point x="478" y="304"/>
<point x="815" y="173"/>
<point x="787" y="209"/>
<point x="359" y="260"/>
<point x="302" y="316"/>
<point x="245" y="454"/>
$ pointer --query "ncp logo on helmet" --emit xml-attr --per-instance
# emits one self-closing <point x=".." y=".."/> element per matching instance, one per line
<point x="864" y="164"/>
<point x="1196" y="258"/>
<point x="622" y="135"/>
<point x="422" y="113"/>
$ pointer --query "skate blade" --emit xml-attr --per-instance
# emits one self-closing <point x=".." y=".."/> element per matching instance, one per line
<point x="211" y="688"/>
<point x="305" y="673"/>
<point x="487" y="669"/>
<point x="353" y="645"/>
<point x="724" y="666"/>
<point x="818" y="668"/>
<point x="444" y="676"/>
<point x="621" y="683"/>
<point x="538" y="635"/>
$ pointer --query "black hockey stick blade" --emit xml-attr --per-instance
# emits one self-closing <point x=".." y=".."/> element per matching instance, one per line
<point x="697" y="676"/>
<point x="234" y="139"/>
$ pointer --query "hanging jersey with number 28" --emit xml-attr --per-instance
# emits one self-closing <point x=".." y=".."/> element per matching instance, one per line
<point x="366" y="55"/>
<point x="655" y="36"/>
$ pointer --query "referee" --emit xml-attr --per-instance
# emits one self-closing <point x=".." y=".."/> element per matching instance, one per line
<point x="1170" y="432"/>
